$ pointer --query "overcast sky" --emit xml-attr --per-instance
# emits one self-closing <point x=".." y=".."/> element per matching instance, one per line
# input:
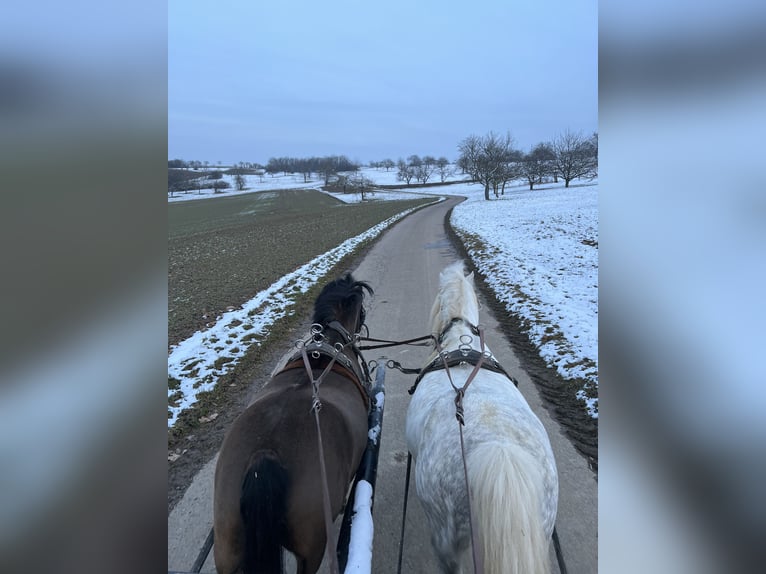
<point x="252" y="80"/>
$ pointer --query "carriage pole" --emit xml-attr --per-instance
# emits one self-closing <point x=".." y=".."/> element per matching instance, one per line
<point x="368" y="466"/>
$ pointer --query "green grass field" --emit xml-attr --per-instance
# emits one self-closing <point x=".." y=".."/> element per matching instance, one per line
<point x="222" y="251"/>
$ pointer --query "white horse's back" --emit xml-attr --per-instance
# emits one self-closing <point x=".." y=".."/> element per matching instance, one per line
<point x="511" y="469"/>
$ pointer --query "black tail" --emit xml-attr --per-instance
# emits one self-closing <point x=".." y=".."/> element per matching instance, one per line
<point x="263" y="505"/>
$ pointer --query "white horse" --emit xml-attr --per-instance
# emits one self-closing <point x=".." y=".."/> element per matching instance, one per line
<point x="511" y="470"/>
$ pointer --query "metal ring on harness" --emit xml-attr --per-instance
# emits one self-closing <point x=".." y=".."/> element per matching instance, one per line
<point x="317" y="335"/>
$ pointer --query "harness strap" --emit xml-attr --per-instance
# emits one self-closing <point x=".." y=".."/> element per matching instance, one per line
<point x="203" y="553"/>
<point x="433" y="338"/>
<point x="559" y="553"/>
<point x="330" y="543"/>
<point x="455" y="358"/>
<point x="316" y="406"/>
<point x="413" y="342"/>
<point x="341" y="330"/>
<point x="391" y="364"/>
<point x="404" y="511"/>
<point x="478" y="559"/>
<point x="341" y="370"/>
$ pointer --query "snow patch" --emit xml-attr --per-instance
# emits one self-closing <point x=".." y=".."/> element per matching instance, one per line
<point x="362" y="530"/>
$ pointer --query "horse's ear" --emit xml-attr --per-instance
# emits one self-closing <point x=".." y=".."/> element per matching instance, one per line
<point x="470" y="276"/>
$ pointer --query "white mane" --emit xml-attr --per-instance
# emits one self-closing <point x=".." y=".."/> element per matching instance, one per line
<point x="456" y="298"/>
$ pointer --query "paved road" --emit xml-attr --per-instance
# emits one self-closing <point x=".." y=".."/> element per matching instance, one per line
<point x="403" y="268"/>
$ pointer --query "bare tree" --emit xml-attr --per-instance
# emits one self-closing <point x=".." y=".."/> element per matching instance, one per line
<point x="443" y="167"/>
<point x="414" y="161"/>
<point x="511" y="168"/>
<point x="238" y="171"/>
<point x="424" y="172"/>
<point x="471" y="160"/>
<point x="361" y="185"/>
<point x="576" y="157"/>
<point x="220" y="185"/>
<point x="304" y="167"/>
<point x="405" y="172"/>
<point x="489" y="160"/>
<point x="593" y="148"/>
<point x="537" y="164"/>
<point x="327" y="167"/>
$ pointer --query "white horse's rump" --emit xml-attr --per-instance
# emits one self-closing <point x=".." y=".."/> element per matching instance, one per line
<point x="511" y="469"/>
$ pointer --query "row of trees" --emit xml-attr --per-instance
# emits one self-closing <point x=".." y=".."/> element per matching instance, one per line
<point x="422" y="169"/>
<point x="180" y="178"/>
<point x="206" y="165"/>
<point x="327" y="166"/>
<point x="386" y="163"/>
<point x="493" y="161"/>
<point x="214" y="180"/>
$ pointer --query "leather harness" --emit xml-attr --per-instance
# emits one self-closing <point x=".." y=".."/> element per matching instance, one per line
<point x="461" y="356"/>
<point x="296" y="362"/>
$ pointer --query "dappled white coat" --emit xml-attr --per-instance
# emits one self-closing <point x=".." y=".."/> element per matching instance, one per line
<point x="511" y="469"/>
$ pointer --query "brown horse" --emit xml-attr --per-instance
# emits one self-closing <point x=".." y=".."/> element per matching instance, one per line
<point x="268" y="480"/>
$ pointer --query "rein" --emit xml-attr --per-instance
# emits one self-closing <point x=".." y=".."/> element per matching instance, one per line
<point x="465" y="354"/>
<point x="416" y="341"/>
<point x="318" y="347"/>
<point x="478" y="565"/>
<point x="413" y="342"/>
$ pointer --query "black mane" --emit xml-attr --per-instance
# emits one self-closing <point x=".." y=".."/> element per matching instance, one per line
<point x="339" y="297"/>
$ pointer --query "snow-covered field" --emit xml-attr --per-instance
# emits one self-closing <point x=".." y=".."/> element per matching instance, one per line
<point x="538" y="250"/>
<point x="255" y="183"/>
<point x="252" y="183"/>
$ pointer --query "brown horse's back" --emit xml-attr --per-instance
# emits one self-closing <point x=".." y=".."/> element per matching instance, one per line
<point x="277" y="434"/>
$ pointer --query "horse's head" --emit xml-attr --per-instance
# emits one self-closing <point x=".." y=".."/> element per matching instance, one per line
<point x="456" y="298"/>
<point x="342" y="300"/>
